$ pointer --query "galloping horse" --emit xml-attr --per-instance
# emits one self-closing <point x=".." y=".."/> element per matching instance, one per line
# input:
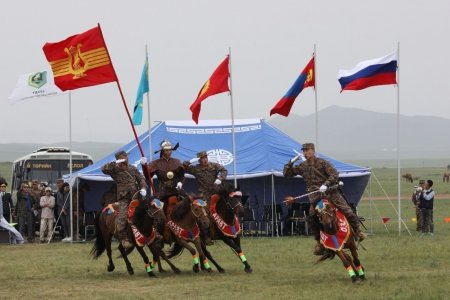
<point x="182" y="228"/>
<point x="225" y="210"/>
<point x="336" y="236"/>
<point x="150" y="211"/>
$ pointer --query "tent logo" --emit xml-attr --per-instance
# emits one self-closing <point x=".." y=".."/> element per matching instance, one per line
<point x="220" y="156"/>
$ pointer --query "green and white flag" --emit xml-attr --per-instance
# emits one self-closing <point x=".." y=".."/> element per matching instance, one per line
<point x="32" y="85"/>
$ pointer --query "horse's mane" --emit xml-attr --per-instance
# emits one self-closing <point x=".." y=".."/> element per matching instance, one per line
<point x="179" y="211"/>
<point x="140" y="213"/>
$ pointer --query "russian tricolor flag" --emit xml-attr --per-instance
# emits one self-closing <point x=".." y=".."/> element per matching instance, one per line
<point x="378" y="71"/>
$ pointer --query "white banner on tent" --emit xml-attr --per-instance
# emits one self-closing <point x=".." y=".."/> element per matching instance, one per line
<point x="32" y="85"/>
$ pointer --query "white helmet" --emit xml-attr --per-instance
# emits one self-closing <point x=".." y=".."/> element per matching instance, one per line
<point x="166" y="145"/>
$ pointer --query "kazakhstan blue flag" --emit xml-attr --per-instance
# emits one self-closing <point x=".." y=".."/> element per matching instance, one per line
<point x="143" y="88"/>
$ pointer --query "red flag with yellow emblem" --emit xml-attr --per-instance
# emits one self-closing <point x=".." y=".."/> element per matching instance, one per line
<point x="216" y="84"/>
<point x="81" y="60"/>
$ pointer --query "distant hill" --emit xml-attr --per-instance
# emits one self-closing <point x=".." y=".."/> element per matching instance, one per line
<point x="11" y="152"/>
<point x="356" y="134"/>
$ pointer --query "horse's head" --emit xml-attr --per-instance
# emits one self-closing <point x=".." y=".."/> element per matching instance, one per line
<point x="232" y="198"/>
<point x="199" y="212"/>
<point x="326" y="212"/>
<point x="155" y="210"/>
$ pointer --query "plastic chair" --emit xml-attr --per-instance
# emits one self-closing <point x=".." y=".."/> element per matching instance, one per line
<point x="247" y="221"/>
<point x="272" y="219"/>
<point x="89" y="224"/>
<point x="299" y="217"/>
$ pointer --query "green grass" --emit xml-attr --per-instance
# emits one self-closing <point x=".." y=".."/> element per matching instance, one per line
<point x="397" y="267"/>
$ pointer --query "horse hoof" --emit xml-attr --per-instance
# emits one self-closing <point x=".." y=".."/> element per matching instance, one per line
<point x="162" y="271"/>
<point x="131" y="271"/>
<point x="111" y="268"/>
<point x="248" y="270"/>
<point x="209" y="270"/>
<point x="176" y="271"/>
<point x="355" y="279"/>
<point x="221" y="270"/>
<point x="151" y="274"/>
<point x="362" y="277"/>
<point x="195" y="268"/>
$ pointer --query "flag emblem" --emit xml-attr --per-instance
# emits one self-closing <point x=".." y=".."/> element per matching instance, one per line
<point x="38" y="79"/>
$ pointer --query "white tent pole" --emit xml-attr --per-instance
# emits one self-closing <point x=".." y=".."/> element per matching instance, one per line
<point x="315" y="97"/>
<point x="70" y="163"/>
<point x="398" y="142"/>
<point x="232" y="121"/>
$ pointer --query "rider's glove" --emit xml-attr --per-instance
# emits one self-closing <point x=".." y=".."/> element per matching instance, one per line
<point x="294" y="159"/>
<point x="323" y="188"/>
<point x="143" y="192"/>
<point x="179" y="185"/>
<point x="217" y="181"/>
<point x="120" y="160"/>
<point x="143" y="160"/>
<point x="194" y="160"/>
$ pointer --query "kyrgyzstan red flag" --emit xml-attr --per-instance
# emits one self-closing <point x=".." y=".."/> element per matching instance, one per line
<point x="81" y="60"/>
<point x="217" y="83"/>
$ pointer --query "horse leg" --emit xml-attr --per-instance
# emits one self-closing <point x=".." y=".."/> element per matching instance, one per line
<point x="157" y="254"/>
<point x="358" y="267"/>
<point x="348" y="266"/>
<point x="209" y="256"/>
<point x="185" y="244"/>
<point x="108" y="240"/>
<point x="198" y="245"/>
<point x="125" y="258"/>
<point x="235" y="244"/>
<point x="144" y="256"/>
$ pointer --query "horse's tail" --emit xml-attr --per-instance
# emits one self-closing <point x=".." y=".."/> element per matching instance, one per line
<point x="173" y="251"/>
<point x="99" y="245"/>
<point x="328" y="255"/>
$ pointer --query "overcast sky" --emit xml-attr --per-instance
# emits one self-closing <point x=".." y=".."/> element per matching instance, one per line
<point x="271" y="42"/>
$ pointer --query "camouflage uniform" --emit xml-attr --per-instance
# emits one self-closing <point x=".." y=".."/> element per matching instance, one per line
<point x="321" y="172"/>
<point x="128" y="181"/>
<point x="205" y="176"/>
<point x="161" y="167"/>
<point x="415" y="199"/>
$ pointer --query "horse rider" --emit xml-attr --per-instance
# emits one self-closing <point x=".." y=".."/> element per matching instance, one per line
<point x="128" y="181"/>
<point x="415" y="198"/>
<point x="168" y="170"/>
<point x="208" y="175"/>
<point x="319" y="174"/>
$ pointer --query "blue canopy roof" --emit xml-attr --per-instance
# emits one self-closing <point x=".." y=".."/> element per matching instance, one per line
<point x="261" y="149"/>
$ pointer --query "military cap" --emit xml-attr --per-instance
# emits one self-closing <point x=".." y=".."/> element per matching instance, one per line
<point x="202" y="154"/>
<point x="120" y="153"/>
<point x="307" y="146"/>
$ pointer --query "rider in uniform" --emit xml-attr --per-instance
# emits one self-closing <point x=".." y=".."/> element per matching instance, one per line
<point x="319" y="174"/>
<point x="208" y="175"/>
<point x="128" y="181"/>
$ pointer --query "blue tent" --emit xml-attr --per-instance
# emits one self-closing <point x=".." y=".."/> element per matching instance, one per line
<point x="261" y="152"/>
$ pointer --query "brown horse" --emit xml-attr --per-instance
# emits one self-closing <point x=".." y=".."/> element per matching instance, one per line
<point x="105" y="225"/>
<point x="336" y="236"/>
<point x="446" y="176"/>
<point x="225" y="211"/>
<point x="182" y="228"/>
<point x="408" y="177"/>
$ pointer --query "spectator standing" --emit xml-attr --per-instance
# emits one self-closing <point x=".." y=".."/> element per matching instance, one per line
<point x="36" y="192"/>
<point x="7" y="205"/>
<point x="415" y="198"/>
<point x="63" y="203"/>
<point x="25" y="207"/>
<point x="17" y="238"/>
<point x="426" y="200"/>
<point x="47" y="203"/>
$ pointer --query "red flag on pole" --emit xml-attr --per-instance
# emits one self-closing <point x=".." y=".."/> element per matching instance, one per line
<point x="217" y="83"/>
<point x="81" y="60"/>
<point x="385" y="220"/>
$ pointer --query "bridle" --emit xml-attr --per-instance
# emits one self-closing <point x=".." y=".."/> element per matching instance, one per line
<point x="232" y="195"/>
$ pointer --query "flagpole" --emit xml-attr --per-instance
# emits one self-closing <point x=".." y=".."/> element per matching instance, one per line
<point x="129" y="117"/>
<point x="148" y="109"/>
<point x="232" y="120"/>
<point x="315" y="98"/>
<point x="398" y="142"/>
<point x="70" y="164"/>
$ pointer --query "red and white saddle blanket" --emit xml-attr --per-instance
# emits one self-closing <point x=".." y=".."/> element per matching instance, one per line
<point x="185" y="234"/>
<point x="142" y="240"/>
<point x="336" y="242"/>
<point x="228" y="230"/>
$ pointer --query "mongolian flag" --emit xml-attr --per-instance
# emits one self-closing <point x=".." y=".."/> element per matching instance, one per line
<point x="81" y="60"/>
<point x="217" y="83"/>
<point x="306" y="79"/>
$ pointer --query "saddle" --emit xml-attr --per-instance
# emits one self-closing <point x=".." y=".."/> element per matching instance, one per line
<point x="113" y="208"/>
<point x="337" y="241"/>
